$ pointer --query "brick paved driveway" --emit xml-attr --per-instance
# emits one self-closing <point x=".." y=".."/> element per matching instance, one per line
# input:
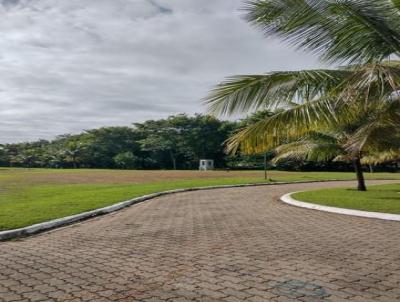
<point x="220" y="245"/>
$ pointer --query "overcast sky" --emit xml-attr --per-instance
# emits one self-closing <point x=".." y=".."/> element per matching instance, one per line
<point x="69" y="65"/>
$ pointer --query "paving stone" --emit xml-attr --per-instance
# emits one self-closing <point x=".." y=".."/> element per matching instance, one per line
<point x="226" y="245"/>
<point x="34" y="296"/>
<point x="10" y="296"/>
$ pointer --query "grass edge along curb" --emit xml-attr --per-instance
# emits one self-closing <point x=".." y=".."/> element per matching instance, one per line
<point x="288" y="199"/>
<point x="64" y="221"/>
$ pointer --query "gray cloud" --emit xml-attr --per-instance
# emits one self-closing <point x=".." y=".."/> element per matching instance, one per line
<point x="161" y="8"/>
<point x="78" y="64"/>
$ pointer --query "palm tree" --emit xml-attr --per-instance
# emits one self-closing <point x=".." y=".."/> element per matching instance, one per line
<point x="333" y="145"/>
<point x="321" y="146"/>
<point x="362" y="34"/>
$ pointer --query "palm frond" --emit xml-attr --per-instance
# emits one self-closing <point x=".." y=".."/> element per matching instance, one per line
<point x="337" y="31"/>
<point x="343" y="158"/>
<point x="314" y="146"/>
<point x="296" y="150"/>
<point x="246" y="93"/>
<point x="396" y="4"/>
<point x="286" y="125"/>
<point x="381" y="157"/>
<point x="371" y="82"/>
<point x="379" y="129"/>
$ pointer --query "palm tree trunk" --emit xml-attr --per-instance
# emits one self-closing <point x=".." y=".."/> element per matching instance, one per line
<point x="359" y="173"/>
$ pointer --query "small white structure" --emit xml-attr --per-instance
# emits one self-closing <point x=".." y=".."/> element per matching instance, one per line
<point x="206" y="165"/>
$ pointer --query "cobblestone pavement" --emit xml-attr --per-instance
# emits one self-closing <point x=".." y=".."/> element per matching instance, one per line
<point x="219" y="245"/>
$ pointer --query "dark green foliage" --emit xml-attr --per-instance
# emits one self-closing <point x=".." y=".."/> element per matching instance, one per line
<point x="154" y="144"/>
<point x="178" y="141"/>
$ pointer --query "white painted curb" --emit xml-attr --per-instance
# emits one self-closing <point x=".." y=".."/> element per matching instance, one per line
<point x="288" y="199"/>
<point x="49" y="225"/>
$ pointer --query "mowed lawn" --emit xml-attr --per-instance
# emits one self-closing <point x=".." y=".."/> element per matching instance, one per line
<point x="29" y="196"/>
<point x="381" y="198"/>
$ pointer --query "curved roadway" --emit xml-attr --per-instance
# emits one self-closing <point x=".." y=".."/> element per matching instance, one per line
<point x="237" y="244"/>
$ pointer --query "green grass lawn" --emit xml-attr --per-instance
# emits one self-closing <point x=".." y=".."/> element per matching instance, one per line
<point x="382" y="198"/>
<point x="35" y="204"/>
<point x="29" y="196"/>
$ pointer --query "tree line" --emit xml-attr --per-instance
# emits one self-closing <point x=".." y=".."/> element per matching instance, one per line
<point x="177" y="142"/>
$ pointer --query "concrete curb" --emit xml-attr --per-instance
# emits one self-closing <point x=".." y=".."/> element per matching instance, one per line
<point x="288" y="199"/>
<point x="52" y="224"/>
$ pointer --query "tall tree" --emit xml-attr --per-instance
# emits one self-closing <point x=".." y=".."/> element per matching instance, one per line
<point x="160" y="137"/>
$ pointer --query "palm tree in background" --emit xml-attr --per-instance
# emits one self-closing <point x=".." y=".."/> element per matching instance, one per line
<point x="362" y="35"/>
<point x="333" y="144"/>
